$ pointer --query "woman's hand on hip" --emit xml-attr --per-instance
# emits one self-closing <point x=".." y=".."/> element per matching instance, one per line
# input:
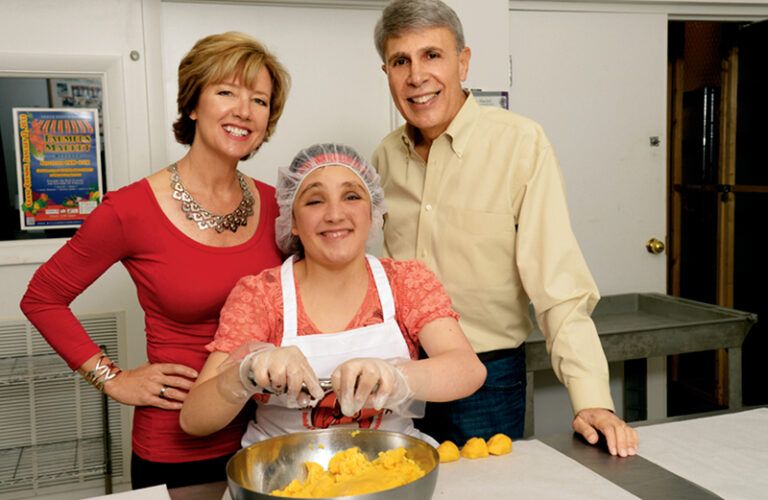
<point x="164" y="385"/>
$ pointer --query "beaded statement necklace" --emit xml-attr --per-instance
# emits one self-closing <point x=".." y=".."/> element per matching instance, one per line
<point x="205" y="219"/>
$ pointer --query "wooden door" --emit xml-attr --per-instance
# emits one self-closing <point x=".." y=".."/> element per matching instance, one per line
<point x="750" y="198"/>
<point x="718" y="199"/>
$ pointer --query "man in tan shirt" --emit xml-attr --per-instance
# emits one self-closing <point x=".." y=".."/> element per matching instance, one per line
<point x="476" y="193"/>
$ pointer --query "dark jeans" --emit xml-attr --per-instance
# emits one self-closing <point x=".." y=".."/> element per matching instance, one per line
<point x="145" y="473"/>
<point x="498" y="406"/>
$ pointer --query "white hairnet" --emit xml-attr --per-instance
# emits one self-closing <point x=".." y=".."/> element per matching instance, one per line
<point x="289" y="180"/>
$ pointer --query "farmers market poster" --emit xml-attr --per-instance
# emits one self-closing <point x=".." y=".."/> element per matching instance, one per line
<point x="58" y="164"/>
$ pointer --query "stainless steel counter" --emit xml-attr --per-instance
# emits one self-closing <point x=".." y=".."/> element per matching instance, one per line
<point x="563" y="466"/>
<point x="647" y="325"/>
<point x="636" y="475"/>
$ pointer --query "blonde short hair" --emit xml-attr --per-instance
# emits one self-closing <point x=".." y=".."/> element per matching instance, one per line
<point x="215" y="58"/>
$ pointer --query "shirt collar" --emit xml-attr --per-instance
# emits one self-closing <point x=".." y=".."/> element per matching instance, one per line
<point x="459" y="130"/>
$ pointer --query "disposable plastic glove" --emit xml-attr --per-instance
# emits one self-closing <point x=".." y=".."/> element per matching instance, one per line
<point x="229" y="381"/>
<point x="282" y="371"/>
<point x="377" y="383"/>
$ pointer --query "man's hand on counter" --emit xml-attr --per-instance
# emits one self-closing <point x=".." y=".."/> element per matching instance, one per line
<point x="620" y="438"/>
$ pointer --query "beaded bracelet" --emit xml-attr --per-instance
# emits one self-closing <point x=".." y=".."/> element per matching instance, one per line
<point x="101" y="373"/>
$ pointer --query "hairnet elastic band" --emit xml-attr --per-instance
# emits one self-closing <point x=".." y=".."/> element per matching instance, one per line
<point x="326" y="159"/>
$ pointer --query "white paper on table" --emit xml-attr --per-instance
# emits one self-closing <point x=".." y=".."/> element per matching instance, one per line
<point x="152" y="493"/>
<point x="726" y="454"/>
<point x="532" y="470"/>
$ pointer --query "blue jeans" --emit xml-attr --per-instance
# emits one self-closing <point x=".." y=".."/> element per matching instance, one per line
<point x="498" y="406"/>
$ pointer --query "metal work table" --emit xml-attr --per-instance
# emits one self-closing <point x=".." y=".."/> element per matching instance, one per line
<point x="647" y="480"/>
<point x="517" y="476"/>
<point x="637" y="326"/>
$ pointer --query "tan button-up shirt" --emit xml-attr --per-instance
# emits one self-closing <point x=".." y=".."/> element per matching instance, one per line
<point x="487" y="213"/>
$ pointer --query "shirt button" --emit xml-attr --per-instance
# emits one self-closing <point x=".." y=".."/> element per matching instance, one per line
<point x="424" y="254"/>
<point x="428" y="207"/>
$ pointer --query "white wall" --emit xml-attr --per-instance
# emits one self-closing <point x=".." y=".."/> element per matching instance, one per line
<point x="339" y="91"/>
<point x="485" y="30"/>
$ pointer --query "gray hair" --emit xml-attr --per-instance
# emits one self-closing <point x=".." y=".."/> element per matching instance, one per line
<point x="415" y="15"/>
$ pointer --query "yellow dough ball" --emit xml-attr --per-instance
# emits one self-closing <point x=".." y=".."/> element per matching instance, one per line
<point x="499" y="444"/>
<point x="448" y="452"/>
<point x="475" y="448"/>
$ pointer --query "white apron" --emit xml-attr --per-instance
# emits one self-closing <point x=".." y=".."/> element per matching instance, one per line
<point x="325" y="352"/>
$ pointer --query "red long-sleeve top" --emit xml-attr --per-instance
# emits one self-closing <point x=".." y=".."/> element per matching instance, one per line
<point x="181" y="286"/>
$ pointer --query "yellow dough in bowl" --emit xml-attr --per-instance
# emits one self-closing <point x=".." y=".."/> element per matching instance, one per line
<point x="499" y="444"/>
<point x="351" y="473"/>
<point x="475" y="448"/>
<point x="448" y="452"/>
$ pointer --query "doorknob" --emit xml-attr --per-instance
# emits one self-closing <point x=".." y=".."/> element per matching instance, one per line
<point x="654" y="246"/>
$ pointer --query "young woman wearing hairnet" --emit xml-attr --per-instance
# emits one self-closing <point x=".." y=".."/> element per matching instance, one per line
<point x="331" y="311"/>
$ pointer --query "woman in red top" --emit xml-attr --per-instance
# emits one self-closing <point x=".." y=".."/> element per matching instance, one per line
<point x="182" y="255"/>
<point x="331" y="311"/>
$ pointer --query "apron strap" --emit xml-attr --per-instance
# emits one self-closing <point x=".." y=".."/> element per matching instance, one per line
<point x="290" y="313"/>
<point x="289" y="299"/>
<point x="382" y="287"/>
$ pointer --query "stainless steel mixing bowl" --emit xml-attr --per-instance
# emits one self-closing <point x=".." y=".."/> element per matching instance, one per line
<point x="271" y="464"/>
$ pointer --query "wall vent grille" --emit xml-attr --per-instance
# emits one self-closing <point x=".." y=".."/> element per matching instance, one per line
<point x="52" y="431"/>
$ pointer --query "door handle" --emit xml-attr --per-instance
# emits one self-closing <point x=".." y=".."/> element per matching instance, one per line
<point x="654" y="246"/>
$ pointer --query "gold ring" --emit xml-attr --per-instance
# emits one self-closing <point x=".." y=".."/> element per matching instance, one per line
<point x="162" y="392"/>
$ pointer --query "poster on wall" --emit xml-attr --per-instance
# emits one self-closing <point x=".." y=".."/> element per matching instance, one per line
<point x="497" y="98"/>
<point x="58" y="164"/>
<point x="75" y="93"/>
